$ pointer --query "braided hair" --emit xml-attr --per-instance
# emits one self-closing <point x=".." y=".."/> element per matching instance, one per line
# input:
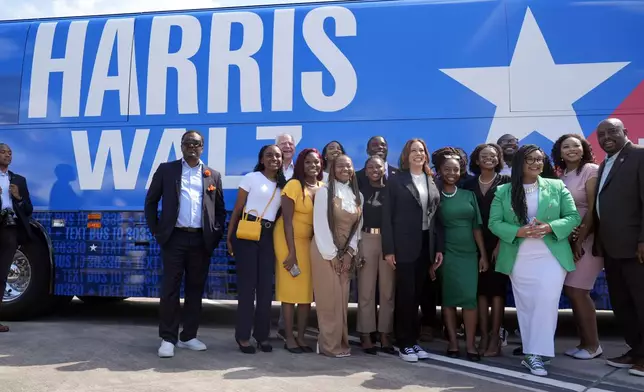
<point x="353" y="182"/>
<point x="519" y="204"/>
<point x="259" y="167"/>
<point x="587" y="155"/>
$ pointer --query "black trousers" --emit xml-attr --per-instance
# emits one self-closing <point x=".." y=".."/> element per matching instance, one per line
<point x="625" y="278"/>
<point x="413" y="287"/>
<point x="255" y="266"/>
<point x="8" y="247"/>
<point x="184" y="252"/>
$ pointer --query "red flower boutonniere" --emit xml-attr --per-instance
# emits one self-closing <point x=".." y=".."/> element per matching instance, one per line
<point x="211" y="188"/>
<point x="206" y="173"/>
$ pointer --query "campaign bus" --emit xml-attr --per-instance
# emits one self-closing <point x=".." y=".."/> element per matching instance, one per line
<point x="92" y="105"/>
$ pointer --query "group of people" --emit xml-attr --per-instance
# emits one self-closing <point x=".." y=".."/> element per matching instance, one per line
<point x="440" y="229"/>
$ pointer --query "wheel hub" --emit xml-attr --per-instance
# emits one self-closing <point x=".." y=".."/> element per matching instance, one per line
<point x="18" y="279"/>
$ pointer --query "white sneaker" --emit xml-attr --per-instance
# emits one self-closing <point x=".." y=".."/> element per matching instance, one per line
<point x="585" y="354"/>
<point x="571" y="352"/>
<point x="420" y="352"/>
<point x="166" y="350"/>
<point x="535" y="364"/>
<point x="192" y="344"/>
<point x="408" y="354"/>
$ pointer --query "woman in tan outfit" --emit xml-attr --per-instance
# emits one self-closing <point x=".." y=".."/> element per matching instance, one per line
<point x="337" y="220"/>
<point x="372" y="267"/>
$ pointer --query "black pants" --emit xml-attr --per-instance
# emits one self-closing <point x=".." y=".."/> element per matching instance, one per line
<point x="625" y="278"/>
<point x="8" y="246"/>
<point x="184" y="251"/>
<point x="411" y="281"/>
<point x="255" y="266"/>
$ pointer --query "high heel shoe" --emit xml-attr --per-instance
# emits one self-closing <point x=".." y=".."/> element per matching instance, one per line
<point x="265" y="347"/>
<point x="294" y="350"/>
<point x="245" y="349"/>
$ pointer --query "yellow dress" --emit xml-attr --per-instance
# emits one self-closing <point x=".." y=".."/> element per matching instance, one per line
<point x="298" y="290"/>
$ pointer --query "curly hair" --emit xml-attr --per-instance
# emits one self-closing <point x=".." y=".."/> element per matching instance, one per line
<point x="353" y="182"/>
<point x="475" y="156"/>
<point x="519" y="204"/>
<point x="443" y="154"/>
<point x="298" y="169"/>
<point x="587" y="156"/>
<point x="325" y="162"/>
<point x="403" y="161"/>
<point x="259" y="167"/>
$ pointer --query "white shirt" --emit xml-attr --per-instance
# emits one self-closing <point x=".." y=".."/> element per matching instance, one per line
<point x="325" y="177"/>
<point x="191" y="195"/>
<point x="323" y="236"/>
<point x="609" y="162"/>
<point x="288" y="171"/>
<point x="420" y="181"/>
<point x="507" y="170"/>
<point x="260" y="189"/>
<point x="5" y="197"/>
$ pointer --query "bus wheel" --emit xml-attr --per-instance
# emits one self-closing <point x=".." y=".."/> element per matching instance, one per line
<point x="27" y="294"/>
<point x="101" y="300"/>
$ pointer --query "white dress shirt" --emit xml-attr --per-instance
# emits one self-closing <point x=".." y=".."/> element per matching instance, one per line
<point x="5" y="197"/>
<point x="191" y="195"/>
<point x="288" y="171"/>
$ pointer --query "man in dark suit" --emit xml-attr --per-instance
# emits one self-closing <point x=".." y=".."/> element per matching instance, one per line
<point x="15" y="212"/>
<point x="377" y="145"/>
<point x="191" y="225"/>
<point x="619" y="236"/>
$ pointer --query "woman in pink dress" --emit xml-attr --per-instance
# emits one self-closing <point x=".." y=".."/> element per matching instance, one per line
<point x="573" y="157"/>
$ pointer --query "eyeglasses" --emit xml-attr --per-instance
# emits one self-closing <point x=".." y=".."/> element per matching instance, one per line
<point x="190" y="144"/>
<point x="531" y="160"/>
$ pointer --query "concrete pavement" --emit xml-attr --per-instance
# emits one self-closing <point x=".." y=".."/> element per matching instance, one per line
<point x="113" y="348"/>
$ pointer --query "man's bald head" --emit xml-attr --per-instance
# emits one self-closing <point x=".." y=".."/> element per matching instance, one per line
<point x="611" y="135"/>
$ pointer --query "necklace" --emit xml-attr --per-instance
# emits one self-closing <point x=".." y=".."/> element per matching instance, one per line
<point x="489" y="182"/>
<point x="530" y="188"/>
<point x="311" y="185"/>
<point x="449" y="195"/>
<point x="566" y="172"/>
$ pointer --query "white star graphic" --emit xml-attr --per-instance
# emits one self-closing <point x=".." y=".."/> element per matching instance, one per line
<point x="534" y="93"/>
<point x="93" y="247"/>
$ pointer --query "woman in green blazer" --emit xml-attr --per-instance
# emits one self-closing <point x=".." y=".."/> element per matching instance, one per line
<point x="533" y="217"/>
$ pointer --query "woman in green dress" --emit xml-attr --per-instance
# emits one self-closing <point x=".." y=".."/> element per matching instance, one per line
<point x="465" y="254"/>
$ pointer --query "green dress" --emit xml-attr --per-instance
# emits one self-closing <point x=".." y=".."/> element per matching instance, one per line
<point x="459" y="273"/>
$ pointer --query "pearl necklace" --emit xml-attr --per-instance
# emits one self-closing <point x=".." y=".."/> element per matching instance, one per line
<point x="566" y="172"/>
<point x="449" y="195"/>
<point x="530" y="188"/>
<point x="489" y="182"/>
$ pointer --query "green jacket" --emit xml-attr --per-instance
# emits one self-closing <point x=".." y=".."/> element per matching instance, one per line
<point x="556" y="207"/>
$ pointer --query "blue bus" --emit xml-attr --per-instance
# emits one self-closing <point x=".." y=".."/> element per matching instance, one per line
<point x="92" y="105"/>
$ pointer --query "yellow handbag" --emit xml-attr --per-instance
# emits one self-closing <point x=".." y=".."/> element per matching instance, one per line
<point x="251" y="230"/>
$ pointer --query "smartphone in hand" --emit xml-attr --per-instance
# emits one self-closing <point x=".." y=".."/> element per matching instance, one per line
<point x="295" y="270"/>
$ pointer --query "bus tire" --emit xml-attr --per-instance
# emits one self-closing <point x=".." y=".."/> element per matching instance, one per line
<point x="28" y="283"/>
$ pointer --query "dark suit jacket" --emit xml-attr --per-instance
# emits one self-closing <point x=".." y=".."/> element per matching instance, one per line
<point x="402" y="222"/>
<point x="621" y="205"/>
<point x="23" y="209"/>
<point x="361" y="175"/>
<point x="166" y="184"/>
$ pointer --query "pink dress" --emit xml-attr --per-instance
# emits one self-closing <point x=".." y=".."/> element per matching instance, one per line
<point x="589" y="266"/>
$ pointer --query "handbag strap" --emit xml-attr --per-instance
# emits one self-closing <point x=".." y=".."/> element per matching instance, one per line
<point x="269" y="202"/>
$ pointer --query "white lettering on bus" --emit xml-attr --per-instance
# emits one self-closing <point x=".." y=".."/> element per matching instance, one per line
<point x="160" y="60"/>
<point x="221" y="58"/>
<point x="119" y="32"/>
<point x="91" y="175"/>
<point x="163" y="58"/>
<point x="346" y="80"/>
<point x="71" y="66"/>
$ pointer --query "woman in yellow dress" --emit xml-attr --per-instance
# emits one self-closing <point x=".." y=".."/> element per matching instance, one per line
<point x="292" y="241"/>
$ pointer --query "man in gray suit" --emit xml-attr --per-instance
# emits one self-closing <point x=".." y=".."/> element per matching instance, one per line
<point x="619" y="236"/>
